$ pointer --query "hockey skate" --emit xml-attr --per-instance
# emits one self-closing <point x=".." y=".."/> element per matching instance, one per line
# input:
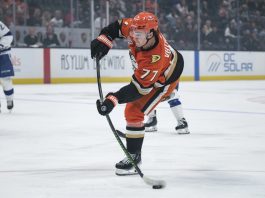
<point x="182" y="127"/>
<point x="125" y="167"/>
<point x="151" y="124"/>
<point x="10" y="105"/>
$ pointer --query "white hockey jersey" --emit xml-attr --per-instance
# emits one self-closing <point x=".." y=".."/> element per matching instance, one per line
<point x="6" y="38"/>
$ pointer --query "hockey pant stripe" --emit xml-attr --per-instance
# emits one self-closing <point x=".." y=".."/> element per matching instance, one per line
<point x="159" y="96"/>
<point x="9" y="92"/>
<point x="134" y="132"/>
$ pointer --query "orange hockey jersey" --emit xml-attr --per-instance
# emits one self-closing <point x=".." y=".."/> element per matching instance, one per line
<point x="152" y="67"/>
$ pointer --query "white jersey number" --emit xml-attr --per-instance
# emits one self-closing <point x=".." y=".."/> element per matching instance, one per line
<point x="147" y="72"/>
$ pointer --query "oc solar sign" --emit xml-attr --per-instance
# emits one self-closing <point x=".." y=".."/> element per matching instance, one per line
<point x="227" y="62"/>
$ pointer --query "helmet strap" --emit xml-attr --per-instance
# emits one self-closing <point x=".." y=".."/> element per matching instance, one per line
<point x="155" y="36"/>
<point x="147" y="36"/>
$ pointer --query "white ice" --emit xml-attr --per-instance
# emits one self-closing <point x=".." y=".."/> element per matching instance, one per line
<point x="55" y="145"/>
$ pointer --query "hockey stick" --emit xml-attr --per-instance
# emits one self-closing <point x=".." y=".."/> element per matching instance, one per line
<point x="156" y="184"/>
<point x="121" y="134"/>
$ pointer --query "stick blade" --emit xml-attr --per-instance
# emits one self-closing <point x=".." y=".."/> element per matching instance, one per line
<point x="156" y="184"/>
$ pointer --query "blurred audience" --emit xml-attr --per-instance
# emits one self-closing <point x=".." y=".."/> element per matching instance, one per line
<point x="222" y="23"/>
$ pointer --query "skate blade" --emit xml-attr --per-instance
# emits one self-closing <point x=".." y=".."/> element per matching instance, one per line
<point x="122" y="172"/>
<point x="183" y="131"/>
<point x="151" y="129"/>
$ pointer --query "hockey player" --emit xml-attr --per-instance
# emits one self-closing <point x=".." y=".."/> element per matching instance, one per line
<point x="157" y="68"/>
<point x="6" y="67"/>
<point x="176" y="108"/>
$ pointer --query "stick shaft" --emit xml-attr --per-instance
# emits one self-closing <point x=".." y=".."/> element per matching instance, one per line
<point x="112" y="126"/>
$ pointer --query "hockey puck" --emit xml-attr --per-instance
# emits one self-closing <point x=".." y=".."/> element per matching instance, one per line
<point x="157" y="186"/>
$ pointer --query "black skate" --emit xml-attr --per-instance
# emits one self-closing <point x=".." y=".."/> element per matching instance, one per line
<point x="10" y="105"/>
<point x="125" y="167"/>
<point x="150" y="125"/>
<point x="182" y="127"/>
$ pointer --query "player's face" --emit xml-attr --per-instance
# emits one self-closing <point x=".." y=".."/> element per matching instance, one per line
<point x="139" y="37"/>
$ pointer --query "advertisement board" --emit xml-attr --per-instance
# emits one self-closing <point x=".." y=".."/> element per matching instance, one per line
<point x="57" y="65"/>
<point x="74" y="64"/>
<point x="231" y="65"/>
<point x="28" y="65"/>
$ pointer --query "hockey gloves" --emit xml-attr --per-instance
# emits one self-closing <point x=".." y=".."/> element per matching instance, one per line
<point x="105" y="107"/>
<point x="100" y="46"/>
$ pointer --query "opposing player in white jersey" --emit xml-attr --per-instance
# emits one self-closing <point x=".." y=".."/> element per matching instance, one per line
<point x="176" y="108"/>
<point x="6" y="66"/>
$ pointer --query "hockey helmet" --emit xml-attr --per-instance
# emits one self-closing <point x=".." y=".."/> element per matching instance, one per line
<point x="146" y="21"/>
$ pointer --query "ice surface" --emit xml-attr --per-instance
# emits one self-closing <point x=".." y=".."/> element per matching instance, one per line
<point x="55" y="145"/>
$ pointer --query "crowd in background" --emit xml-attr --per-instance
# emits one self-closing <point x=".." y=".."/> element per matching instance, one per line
<point x="224" y="24"/>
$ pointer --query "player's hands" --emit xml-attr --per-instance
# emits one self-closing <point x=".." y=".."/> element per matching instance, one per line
<point x="100" y="46"/>
<point x="105" y="107"/>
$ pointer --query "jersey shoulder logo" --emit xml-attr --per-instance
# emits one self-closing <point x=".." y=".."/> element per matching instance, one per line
<point x="155" y="58"/>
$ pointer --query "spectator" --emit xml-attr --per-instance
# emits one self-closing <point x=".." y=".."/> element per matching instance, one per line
<point x="190" y="36"/>
<point x="57" y="20"/>
<point x="189" y="19"/>
<point x="215" y="37"/>
<point x="178" y="31"/>
<point x="46" y="18"/>
<point x="208" y="27"/>
<point x="182" y="8"/>
<point x="21" y="12"/>
<point x="50" y="38"/>
<point x="84" y="41"/>
<point x="40" y="37"/>
<point x="204" y="10"/>
<point x="35" y="18"/>
<point x="18" y="40"/>
<point x="150" y="6"/>
<point x="31" y="39"/>
<point x="69" y="18"/>
<point x="100" y="21"/>
<point x="63" y="39"/>
<point x="250" y="41"/>
<point x="231" y="32"/>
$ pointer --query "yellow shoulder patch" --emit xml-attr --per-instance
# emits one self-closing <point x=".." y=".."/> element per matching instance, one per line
<point x="155" y="58"/>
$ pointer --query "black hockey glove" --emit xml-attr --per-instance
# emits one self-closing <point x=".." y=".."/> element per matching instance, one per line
<point x="100" y="46"/>
<point x="105" y="107"/>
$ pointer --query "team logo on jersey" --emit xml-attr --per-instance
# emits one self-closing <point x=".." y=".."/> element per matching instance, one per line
<point x="155" y="58"/>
